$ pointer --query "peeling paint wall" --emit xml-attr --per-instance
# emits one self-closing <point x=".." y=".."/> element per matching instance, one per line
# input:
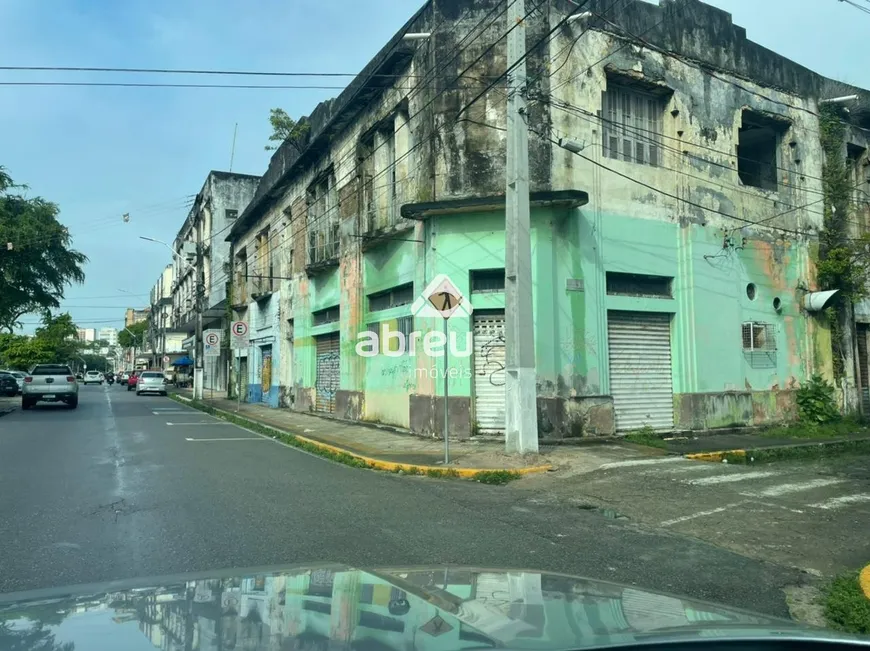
<point x="331" y="206"/>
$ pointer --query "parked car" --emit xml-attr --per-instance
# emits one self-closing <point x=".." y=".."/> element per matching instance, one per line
<point x="150" y="382"/>
<point x="50" y="383"/>
<point x="132" y="380"/>
<point x="8" y="385"/>
<point x="19" y="377"/>
<point x="93" y="377"/>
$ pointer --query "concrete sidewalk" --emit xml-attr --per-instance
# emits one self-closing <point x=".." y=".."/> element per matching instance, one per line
<point x="392" y="445"/>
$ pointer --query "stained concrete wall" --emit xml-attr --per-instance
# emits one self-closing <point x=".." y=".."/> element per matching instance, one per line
<point x="695" y="221"/>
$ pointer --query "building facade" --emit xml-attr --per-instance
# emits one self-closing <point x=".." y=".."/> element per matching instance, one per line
<point x="217" y="206"/>
<point x="166" y="339"/>
<point x="133" y="315"/>
<point x="676" y="203"/>
<point x="86" y="334"/>
<point x="109" y="335"/>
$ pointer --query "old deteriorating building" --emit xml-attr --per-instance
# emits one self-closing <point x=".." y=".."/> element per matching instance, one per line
<point x="217" y="206"/>
<point x="676" y="202"/>
<point x="166" y="338"/>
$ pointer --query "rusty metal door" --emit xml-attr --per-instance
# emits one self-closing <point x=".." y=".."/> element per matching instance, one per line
<point x="328" y="371"/>
<point x="266" y="373"/>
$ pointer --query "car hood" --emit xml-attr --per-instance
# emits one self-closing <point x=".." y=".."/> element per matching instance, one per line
<point x="338" y="607"/>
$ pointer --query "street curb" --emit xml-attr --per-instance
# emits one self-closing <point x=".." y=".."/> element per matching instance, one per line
<point x="372" y="462"/>
<point x="719" y="455"/>
<point x="3" y="412"/>
<point x="781" y="452"/>
<point x="864" y="581"/>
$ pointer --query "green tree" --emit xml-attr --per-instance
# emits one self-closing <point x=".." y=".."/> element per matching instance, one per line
<point x="286" y="129"/>
<point x="36" y="259"/>
<point x="59" y="334"/>
<point x="140" y="332"/>
<point x="21" y="353"/>
<point x="36" y="637"/>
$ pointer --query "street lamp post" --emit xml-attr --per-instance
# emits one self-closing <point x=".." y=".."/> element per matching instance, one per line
<point x="199" y="283"/>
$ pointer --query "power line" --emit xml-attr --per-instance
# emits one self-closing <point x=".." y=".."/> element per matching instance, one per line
<point x="681" y="199"/>
<point x="119" y="84"/>
<point x="440" y="66"/>
<point x="638" y="131"/>
<point x="525" y="55"/>
<point x="857" y="6"/>
<point x="458" y="51"/>
<point x="182" y="71"/>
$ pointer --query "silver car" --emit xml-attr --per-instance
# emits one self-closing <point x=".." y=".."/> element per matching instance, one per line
<point x="50" y="383"/>
<point x="150" y="382"/>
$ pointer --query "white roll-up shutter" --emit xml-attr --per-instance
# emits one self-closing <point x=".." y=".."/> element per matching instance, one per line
<point x="489" y="373"/>
<point x="640" y="369"/>
<point x="328" y="379"/>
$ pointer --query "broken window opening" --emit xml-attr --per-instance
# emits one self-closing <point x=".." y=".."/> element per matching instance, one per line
<point x="327" y="315"/>
<point x="240" y="290"/>
<point x="394" y="297"/>
<point x="626" y="284"/>
<point x="758" y="143"/>
<point x="859" y="180"/>
<point x="485" y="281"/>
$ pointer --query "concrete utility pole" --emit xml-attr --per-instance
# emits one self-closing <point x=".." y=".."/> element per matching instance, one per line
<point x="521" y="422"/>
<point x="198" y="372"/>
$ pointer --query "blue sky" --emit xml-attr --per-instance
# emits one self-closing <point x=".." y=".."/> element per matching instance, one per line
<point x="101" y="152"/>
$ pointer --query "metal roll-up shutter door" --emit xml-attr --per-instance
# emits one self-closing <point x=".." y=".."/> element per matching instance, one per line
<point x="328" y="371"/>
<point x="489" y="373"/>
<point x="640" y="369"/>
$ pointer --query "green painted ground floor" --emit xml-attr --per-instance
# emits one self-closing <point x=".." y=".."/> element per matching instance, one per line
<point x="637" y="323"/>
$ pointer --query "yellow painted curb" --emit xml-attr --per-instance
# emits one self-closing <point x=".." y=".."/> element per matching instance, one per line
<point x="392" y="466"/>
<point x="864" y="581"/>
<point x="715" y="456"/>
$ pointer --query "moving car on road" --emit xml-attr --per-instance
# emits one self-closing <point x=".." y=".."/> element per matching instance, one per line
<point x="150" y="382"/>
<point x="50" y="383"/>
<point x="8" y="385"/>
<point x="132" y="379"/>
<point x="93" y="377"/>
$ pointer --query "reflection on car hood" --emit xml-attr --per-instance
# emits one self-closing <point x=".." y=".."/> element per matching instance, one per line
<point x="335" y="607"/>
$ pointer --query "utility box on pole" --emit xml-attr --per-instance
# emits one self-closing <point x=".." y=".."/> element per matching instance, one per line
<point x="521" y="413"/>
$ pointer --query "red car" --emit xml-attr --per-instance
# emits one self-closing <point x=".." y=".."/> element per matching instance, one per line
<point x="131" y="381"/>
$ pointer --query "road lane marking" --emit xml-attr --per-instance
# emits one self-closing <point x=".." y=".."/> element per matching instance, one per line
<point x="638" y="462"/>
<point x="699" y="514"/>
<point x="785" y="489"/>
<point x="198" y="423"/>
<point x="727" y="479"/>
<point x="843" y="500"/>
<point x="246" y="438"/>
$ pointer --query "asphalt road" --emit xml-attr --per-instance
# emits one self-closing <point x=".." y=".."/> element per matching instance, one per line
<point x="131" y="487"/>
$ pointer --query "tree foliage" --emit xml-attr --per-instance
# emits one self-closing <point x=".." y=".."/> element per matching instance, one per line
<point x="286" y="129"/>
<point x="36" y="259"/>
<point x="54" y="342"/>
<point x="137" y="339"/>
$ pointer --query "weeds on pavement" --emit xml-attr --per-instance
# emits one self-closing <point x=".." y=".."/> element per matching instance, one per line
<point x="846" y="606"/>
